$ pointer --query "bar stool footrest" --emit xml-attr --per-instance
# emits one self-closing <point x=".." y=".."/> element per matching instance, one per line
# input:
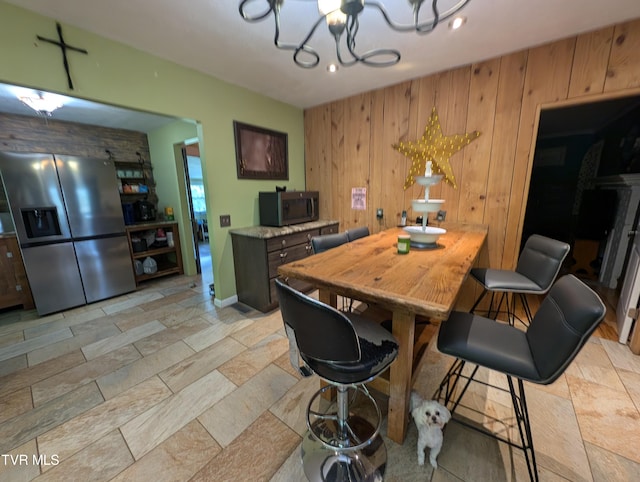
<point x="323" y="464"/>
<point x="326" y="426"/>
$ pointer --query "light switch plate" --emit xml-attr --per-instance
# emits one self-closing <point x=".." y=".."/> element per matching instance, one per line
<point x="225" y="220"/>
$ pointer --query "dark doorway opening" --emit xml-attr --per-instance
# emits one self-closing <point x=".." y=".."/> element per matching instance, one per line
<point x="586" y="160"/>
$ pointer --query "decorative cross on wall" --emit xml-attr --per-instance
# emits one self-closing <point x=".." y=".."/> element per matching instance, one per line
<point x="64" y="47"/>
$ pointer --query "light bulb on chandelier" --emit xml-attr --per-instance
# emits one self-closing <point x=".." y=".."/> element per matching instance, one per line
<point x="342" y="19"/>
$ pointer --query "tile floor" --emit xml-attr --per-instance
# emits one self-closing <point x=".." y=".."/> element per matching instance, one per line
<point x="162" y="385"/>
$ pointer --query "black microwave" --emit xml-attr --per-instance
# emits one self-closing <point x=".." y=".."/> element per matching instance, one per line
<point x="284" y="208"/>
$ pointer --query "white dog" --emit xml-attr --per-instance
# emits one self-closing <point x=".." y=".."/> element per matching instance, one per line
<point x="430" y="418"/>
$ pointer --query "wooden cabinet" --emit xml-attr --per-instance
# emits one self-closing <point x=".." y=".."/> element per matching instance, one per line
<point x="14" y="286"/>
<point x="144" y="243"/>
<point x="259" y="251"/>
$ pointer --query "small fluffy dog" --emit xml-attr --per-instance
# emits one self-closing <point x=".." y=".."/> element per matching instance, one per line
<point x="430" y="418"/>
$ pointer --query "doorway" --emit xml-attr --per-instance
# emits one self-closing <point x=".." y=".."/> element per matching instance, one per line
<point x="197" y="202"/>
<point x="585" y="187"/>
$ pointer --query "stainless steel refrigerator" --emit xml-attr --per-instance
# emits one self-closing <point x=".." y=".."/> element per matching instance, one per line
<point x="69" y="223"/>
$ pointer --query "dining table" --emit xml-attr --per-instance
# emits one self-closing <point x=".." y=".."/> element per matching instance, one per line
<point x="425" y="282"/>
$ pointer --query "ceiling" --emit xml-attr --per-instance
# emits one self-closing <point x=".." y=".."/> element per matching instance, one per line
<point x="84" y="112"/>
<point x="211" y="37"/>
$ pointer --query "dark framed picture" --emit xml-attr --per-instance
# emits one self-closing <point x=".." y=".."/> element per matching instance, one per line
<point x="260" y="153"/>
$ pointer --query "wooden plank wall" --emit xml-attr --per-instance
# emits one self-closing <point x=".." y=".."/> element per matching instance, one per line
<point x="20" y="133"/>
<point x="46" y="135"/>
<point x="348" y="142"/>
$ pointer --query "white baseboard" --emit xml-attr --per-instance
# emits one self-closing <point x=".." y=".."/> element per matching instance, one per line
<point x="226" y="302"/>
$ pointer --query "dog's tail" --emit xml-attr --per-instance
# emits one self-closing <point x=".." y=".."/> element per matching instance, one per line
<point x="416" y="400"/>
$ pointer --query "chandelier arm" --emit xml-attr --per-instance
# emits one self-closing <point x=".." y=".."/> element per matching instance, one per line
<point x="416" y="17"/>
<point x="255" y="18"/>
<point x="337" y="35"/>
<point x="380" y="63"/>
<point x="366" y="58"/>
<point x="299" y="48"/>
<point x="353" y="25"/>
<point x="306" y="64"/>
<point x="420" y="28"/>
<point x="350" y="41"/>
<point x="343" y="62"/>
<point x="274" y="7"/>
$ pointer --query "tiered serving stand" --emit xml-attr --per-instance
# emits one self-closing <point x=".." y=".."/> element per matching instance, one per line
<point x="426" y="237"/>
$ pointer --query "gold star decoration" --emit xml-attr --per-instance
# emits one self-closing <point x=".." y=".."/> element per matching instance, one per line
<point x="436" y="147"/>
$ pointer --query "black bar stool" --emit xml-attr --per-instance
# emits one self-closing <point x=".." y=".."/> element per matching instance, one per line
<point x="537" y="268"/>
<point x="357" y="233"/>
<point x="346" y="350"/>
<point x="560" y="328"/>
<point x="325" y="242"/>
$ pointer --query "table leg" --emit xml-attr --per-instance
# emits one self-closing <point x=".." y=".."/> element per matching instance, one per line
<point x="400" y="377"/>
<point x="328" y="298"/>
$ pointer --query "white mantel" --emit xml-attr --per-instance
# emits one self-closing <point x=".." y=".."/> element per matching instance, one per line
<point x="627" y="187"/>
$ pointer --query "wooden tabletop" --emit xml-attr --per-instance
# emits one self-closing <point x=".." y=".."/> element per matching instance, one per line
<point x="424" y="281"/>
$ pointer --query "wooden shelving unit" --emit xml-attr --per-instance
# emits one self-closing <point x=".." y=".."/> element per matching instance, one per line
<point x="167" y="258"/>
<point x="136" y="173"/>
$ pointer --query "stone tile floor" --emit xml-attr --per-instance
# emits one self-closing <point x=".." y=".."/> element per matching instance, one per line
<point x="162" y="385"/>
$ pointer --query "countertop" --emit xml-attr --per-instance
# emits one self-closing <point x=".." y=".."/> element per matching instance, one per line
<point x="266" y="232"/>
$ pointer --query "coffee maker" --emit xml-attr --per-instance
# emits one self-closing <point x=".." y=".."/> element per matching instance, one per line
<point x="144" y="211"/>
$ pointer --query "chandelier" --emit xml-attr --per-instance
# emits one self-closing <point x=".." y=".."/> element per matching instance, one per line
<point x="342" y="19"/>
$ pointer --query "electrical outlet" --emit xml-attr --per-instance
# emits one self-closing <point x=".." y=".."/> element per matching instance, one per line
<point x="379" y="213"/>
<point x="441" y="215"/>
<point x="225" y="220"/>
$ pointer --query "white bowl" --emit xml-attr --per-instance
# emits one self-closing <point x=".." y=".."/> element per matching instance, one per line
<point x="430" y="206"/>
<point x="426" y="235"/>
<point x="429" y="180"/>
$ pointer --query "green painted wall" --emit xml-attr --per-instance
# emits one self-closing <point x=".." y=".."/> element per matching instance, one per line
<point x="165" y="149"/>
<point x="116" y="74"/>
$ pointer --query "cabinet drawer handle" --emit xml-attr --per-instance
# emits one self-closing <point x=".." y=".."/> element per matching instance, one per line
<point x="283" y="255"/>
<point x="284" y="242"/>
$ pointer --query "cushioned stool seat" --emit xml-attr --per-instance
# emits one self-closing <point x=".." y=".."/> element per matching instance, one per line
<point x="475" y="338"/>
<point x="510" y="281"/>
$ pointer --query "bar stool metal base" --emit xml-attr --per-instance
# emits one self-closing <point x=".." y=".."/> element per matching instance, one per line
<point x="510" y="313"/>
<point x="323" y="464"/>
<point x="341" y="446"/>
<point x="451" y="395"/>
